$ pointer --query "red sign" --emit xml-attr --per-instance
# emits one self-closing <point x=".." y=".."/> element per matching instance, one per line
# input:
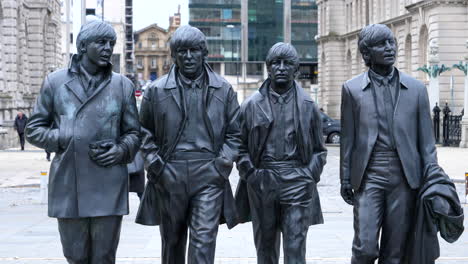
<point x="138" y="93"/>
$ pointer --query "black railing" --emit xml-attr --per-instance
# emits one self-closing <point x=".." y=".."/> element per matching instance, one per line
<point x="451" y="128"/>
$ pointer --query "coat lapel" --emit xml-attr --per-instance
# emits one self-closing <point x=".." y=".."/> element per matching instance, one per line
<point x="101" y="87"/>
<point x="301" y="121"/>
<point x="368" y="110"/>
<point x="76" y="88"/>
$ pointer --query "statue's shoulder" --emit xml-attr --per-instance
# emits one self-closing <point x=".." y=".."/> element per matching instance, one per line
<point x="160" y="83"/>
<point x="251" y="100"/>
<point x="357" y="81"/>
<point x="410" y="82"/>
<point x="58" y="76"/>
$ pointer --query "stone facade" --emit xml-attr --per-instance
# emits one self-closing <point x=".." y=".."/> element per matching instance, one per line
<point x="152" y="52"/>
<point x="415" y="24"/>
<point x="29" y="49"/>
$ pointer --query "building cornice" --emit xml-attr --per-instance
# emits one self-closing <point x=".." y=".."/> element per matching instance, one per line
<point x="155" y="26"/>
<point x="429" y="3"/>
<point x="354" y="33"/>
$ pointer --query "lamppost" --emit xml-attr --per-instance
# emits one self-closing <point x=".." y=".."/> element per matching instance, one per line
<point x="464" y="123"/>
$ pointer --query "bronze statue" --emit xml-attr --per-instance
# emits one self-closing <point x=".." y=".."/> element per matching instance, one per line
<point x="191" y="138"/>
<point x="387" y="142"/>
<point x="87" y="115"/>
<point x="280" y="161"/>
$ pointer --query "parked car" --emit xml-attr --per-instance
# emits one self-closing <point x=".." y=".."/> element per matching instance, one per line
<point x="331" y="129"/>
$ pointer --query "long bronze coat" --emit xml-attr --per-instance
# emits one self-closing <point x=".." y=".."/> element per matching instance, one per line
<point x="256" y="119"/>
<point x="163" y="116"/>
<point x="66" y="121"/>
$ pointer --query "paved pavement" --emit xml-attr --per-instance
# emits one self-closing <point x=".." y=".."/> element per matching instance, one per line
<point x="28" y="236"/>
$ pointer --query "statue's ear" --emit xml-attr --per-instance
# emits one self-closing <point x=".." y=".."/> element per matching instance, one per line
<point x="83" y="47"/>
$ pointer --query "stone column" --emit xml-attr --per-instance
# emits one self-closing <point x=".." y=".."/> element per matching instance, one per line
<point x="434" y="60"/>
<point x="464" y="122"/>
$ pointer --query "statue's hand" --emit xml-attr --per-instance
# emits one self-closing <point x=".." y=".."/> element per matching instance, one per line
<point x="347" y="193"/>
<point x="113" y="156"/>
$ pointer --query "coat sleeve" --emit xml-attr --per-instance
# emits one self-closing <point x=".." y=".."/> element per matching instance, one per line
<point x="244" y="163"/>
<point x="39" y="131"/>
<point x="129" y="125"/>
<point x="426" y="140"/>
<point x="347" y="135"/>
<point x="230" y="148"/>
<point x="150" y="150"/>
<point x="319" y="155"/>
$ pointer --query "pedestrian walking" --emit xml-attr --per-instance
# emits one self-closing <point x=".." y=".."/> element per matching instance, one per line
<point x="20" y="124"/>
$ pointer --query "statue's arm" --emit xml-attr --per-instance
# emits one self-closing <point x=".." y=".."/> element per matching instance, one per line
<point x="346" y="144"/>
<point x="319" y="155"/>
<point x="129" y="126"/>
<point x="39" y="131"/>
<point x="347" y="135"/>
<point x="230" y="148"/>
<point x="150" y="150"/>
<point x="244" y="162"/>
<point x="426" y="140"/>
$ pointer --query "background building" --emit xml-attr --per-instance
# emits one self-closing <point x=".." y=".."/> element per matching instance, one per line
<point x="415" y="24"/>
<point x="240" y="33"/>
<point x="152" y="53"/>
<point x="29" y="49"/>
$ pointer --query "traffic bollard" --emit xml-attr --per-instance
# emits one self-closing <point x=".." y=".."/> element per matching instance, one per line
<point x="466" y="187"/>
<point x="44" y="185"/>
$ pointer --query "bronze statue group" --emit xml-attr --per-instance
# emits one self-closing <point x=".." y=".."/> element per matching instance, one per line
<point x="190" y="130"/>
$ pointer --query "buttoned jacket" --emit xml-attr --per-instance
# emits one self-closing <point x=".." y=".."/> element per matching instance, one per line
<point x="163" y="117"/>
<point x="66" y="121"/>
<point x="256" y="119"/>
<point x="412" y="128"/>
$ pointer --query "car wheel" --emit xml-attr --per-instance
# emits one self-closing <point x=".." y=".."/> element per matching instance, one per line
<point x="334" y="138"/>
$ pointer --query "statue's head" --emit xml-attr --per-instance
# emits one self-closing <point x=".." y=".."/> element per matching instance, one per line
<point x="189" y="50"/>
<point x="377" y="45"/>
<point x="96" y="41"/>
<point x="282" y="62"/>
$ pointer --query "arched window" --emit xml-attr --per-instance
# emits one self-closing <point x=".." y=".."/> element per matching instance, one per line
<point x="349" y="65"/>
<point x="408" y="54"/>
<point x="359" y="62"/>
<point x="423" y="43"/>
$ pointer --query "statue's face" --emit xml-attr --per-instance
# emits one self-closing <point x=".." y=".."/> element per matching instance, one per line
<point x="190" y="61"/>
<point x="282" y="71"/>
<point x="383" y="52"/>
<point x="100" y="51"/>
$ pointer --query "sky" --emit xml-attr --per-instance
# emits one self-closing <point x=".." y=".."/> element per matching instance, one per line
<point x="147" y="12"/>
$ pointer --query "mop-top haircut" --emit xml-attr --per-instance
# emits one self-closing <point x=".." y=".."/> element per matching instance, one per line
<point x="188" y="36"/>
<point x="92" y="31"/>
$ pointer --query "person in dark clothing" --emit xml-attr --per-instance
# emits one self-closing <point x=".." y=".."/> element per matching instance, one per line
<point x="280" y="161"/>
<point x="87" y="115"/>
<point x="20" y="124"/>
<point x="190" y="141"/>
<point x="387" y="141"/>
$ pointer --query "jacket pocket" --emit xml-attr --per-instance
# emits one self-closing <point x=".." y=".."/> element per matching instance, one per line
<point x="65" y="131"/>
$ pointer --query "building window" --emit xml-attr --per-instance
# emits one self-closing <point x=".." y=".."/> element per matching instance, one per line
<point x="153" y="63"/>
<point x="139" y="45"/>
<point x="153" y="45"/>
<point x="140" y="63"/>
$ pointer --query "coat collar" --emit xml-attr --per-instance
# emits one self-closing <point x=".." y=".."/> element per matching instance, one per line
<point x="264" y="102"/>
<point x="214" y="81"/>
<point x="404" y="79"/>
<point x="75" y="85"/>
